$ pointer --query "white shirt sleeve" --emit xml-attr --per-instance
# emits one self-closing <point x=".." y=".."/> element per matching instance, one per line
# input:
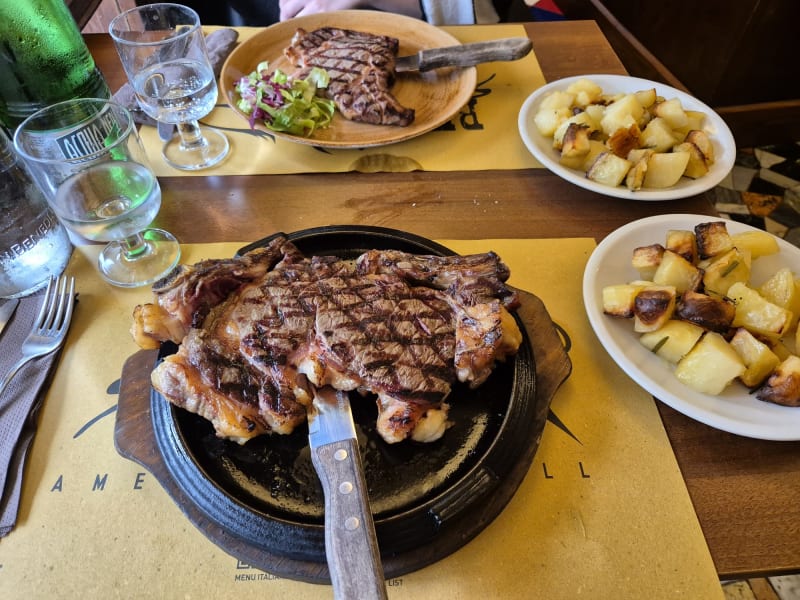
<point x="459" y="12"/>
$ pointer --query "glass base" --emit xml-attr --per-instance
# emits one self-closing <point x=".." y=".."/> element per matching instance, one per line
<point x="157" y="260"/>
<point x="198" y="156"/>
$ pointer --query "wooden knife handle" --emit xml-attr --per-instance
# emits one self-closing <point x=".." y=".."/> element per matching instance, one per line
<point x="351" y="546"/>
<point x="468" y="55"/>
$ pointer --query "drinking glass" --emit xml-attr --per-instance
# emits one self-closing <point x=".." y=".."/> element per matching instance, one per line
<point x="163" y="52"/>
<point x="87" y="158"/>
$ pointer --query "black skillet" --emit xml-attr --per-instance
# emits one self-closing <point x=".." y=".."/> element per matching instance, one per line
<point x="428" y="500"/>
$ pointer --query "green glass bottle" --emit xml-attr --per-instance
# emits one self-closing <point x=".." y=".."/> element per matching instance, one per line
<point x="43" y="59"/>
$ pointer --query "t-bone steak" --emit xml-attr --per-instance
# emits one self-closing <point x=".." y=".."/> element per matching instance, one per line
<point x="255" y="332"/>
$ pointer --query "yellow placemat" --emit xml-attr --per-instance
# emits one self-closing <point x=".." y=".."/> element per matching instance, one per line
<point x="484" y="135"/>
<point x="603" y="512"/>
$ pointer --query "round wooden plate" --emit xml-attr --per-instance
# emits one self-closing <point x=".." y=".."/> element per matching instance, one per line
<point x="435" y="96"/>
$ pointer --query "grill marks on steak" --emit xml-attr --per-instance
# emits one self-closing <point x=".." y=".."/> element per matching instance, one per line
<point x="338" y="323"/>
<point x="361" y="69"/>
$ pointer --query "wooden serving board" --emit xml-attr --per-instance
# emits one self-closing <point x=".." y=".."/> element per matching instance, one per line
<point x="135" y="439"/>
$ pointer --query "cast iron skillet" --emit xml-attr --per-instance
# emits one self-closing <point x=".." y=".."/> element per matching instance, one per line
<point x="267" y="492"/>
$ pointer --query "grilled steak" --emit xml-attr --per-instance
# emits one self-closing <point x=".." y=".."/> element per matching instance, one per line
<point x="386" y="324"/>
<point x="361" y="70"/>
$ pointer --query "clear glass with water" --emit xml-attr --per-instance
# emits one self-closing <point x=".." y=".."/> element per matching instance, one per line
<point x="33" y="243"/>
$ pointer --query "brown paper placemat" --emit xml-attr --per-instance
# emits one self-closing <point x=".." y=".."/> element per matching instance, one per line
<point x="484" y="136"/>
<point x="591" y="519"/>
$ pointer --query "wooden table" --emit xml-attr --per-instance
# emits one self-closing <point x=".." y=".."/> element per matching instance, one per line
<point x="744" y="491"/>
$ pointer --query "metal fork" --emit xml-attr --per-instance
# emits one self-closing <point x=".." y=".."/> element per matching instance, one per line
<point x="51" y="325"/>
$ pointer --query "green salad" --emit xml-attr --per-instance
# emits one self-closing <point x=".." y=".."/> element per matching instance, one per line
<point x="285" y="104"/>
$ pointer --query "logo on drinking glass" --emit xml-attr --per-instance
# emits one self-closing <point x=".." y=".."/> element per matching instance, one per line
<point x="88" y="139"/>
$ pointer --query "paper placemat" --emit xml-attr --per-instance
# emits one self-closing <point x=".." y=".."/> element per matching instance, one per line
<point x="591" y="518"/>
<point x="484" y="135"/>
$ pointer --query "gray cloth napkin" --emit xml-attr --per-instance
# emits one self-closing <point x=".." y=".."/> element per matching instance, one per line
<point x="19" y="406"/>
<point x="219" y="43"/>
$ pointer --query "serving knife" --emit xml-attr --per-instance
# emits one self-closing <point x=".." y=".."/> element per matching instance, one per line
<point x="465" y="55"/>
<point x="7" y="309"/>
<point x="351" y="546"/>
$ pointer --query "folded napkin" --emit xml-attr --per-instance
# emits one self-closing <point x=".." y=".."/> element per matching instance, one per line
<point x="219" y="43"/>
<point x="19" y="406"/>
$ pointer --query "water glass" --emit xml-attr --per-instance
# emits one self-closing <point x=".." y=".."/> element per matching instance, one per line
<point x="33" y="244"/>
<point x="87" y="158"/>
<point x="163" y="51"/>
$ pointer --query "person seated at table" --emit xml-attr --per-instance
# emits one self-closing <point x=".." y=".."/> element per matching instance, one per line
<point x="259" y="13"/>
<point x="436" y="12"/>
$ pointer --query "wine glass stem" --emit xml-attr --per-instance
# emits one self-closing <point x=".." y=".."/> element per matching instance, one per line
<point x="133" y="246"/>
<point x="191" y="135"/>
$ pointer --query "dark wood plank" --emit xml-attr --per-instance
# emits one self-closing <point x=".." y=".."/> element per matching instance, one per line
<point x="742" y="490"/>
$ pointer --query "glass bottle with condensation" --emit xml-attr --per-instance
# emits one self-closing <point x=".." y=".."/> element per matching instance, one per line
<point x="33" y="243"/>
<point x="43" y="59"/>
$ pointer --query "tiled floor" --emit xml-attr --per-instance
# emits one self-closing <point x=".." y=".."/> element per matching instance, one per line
<point x="763" y="190"/>
<point x="774" y="588"/>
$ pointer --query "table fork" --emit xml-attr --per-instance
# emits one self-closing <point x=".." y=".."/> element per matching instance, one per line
<point x="51" y="324"/>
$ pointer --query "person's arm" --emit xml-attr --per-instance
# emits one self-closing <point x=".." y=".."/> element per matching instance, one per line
<point x="297" y="8"/>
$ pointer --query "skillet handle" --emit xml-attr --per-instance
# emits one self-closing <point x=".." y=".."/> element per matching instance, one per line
<point x="351" y="546"/>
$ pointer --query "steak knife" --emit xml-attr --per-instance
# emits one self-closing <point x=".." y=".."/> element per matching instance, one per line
<point x="465" y="55"/>
<point x="7" y="309"/>
<point x="351" y="546"/>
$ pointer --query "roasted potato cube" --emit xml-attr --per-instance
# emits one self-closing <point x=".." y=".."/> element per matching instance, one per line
<point x="585" y="91"/>
<point x="557" y="99"/>
<point x="658" y="136"/>
<point x="596" y="148"/>
<point x="712" y="239"/>
<point x="582" y="118"/>
<point x="757" y="314"/>
<point x="618" y="300"/>
<point x="709" y="312"/>
<point x="547" y="120"/>
<point x="672" y="112"/>
<point x="608" y="169"/>
<point x="694" y="120"/>
<point x="653" y="307"/>
<point x="697" y="166"/>
<point x="683" y="242"/>
<point x="621" y="114"/>
<point x="676" y="271"/>
<point x="595" y="112"/>
<point x="759" y="243"/>
<point x="721" y="272"/>
<point x="783" y="385"/>
<point x="638" y="154"/>
<point x="710" y="366"/>
<point x="703" y="142"/>
<point x="634" y="180"/>
<point x="665" y="169"/>
<point x="757" y="357"/>
<point x="781" y="289"/>
<point x="646" y="97"/>
<point x="575" y="141"/>
<point x="646" y="259"/>
<point x="623" y="140"/>
<point x="673" y="341"/>
<point x="572" y="162"/>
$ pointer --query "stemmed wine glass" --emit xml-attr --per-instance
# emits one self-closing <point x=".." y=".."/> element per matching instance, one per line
<point x="163" y="52"/>
<point x="86" y="156"/>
